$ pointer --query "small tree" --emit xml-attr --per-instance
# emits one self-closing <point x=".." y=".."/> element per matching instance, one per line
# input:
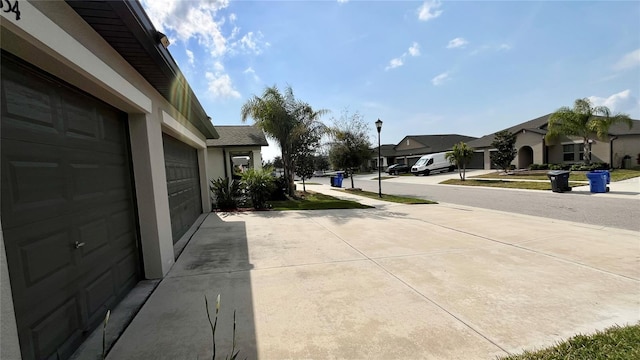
<point x="460" y="156"/>
<point x="320" y="162"/>
<point x="504" y="142"/>
<point x="351" y="146"/>
<point x="306" y="141"/>
<point x="304" y="168"/>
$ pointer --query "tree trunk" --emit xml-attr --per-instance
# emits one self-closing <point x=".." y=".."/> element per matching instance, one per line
<point x="464" y="172"/>
<point x="587" y="151"/>
<point x="460" y="172"/>
<point x="304" y="187"/>
<point x="288" y="172"/>
<point x="351" y="178"/>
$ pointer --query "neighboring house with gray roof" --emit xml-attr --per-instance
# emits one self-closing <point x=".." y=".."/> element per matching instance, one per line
<point x="532" y="147"/>
<point x="238" y="145"/>
<point x="412" y="147"/>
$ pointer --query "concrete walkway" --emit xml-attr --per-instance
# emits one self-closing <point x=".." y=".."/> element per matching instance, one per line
<point x="398" y="281"/>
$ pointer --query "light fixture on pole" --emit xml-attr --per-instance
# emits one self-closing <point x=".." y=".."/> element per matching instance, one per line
<point x="379" y="127"/>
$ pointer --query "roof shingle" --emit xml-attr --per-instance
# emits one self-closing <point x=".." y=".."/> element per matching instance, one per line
<point x="238" y="135"/>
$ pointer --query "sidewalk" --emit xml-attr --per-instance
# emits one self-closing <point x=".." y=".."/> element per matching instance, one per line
<point x="397" y="281"/>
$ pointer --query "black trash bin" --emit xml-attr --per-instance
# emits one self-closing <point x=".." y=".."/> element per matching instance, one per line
<point x="559" y="180"/>
<point x="333" y="180"/>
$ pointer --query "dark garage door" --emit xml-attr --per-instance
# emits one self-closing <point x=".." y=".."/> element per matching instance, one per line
<point x="68" y="217"/>
<point x="183" y="185"/>
<point x="477" y="161"/>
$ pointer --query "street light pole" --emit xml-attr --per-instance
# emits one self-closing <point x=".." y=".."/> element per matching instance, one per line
<point x="379" y="127"/>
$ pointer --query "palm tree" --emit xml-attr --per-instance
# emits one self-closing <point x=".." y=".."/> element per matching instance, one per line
<point x="281" y="117"/>
<point x="584" y="120"/>
<point x="460" y="156"/>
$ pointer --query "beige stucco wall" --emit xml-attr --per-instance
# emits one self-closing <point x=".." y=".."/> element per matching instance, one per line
<point x="533" y="140"/>
<point x="53" y="37"/>
<point x="626" y="145"/>
<point x="600" y="150"/>
<point x="412" y="144"/>
<point x="215" y="164"/>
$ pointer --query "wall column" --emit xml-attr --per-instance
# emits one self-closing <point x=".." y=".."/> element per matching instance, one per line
<point x="147" y="152"/>
<point x="487" y="160"/>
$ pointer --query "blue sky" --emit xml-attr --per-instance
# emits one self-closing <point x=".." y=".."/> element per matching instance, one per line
<point x="465" y="67"/>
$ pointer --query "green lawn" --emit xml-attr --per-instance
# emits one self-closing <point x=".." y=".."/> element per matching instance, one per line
<point x="616" y="175"/>
<point x="506" y="184"/>
<point x="614" y="343"/>
<point x="390" y="198"/>
<point x="316" y="201"/>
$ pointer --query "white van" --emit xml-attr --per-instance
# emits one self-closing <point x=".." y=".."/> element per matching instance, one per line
<point x="430" y="163"/>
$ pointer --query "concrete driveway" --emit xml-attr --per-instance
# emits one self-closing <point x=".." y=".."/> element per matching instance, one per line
<point x="398" y="281"/>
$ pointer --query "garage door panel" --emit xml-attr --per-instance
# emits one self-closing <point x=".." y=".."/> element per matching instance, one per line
<point x="29" y="103"/>
<point x="24" y="187"/>
<point x="33" y="272"/>
<point x="125" y="266"/>
<point x="57" y="328"/>
<point x="99" y="293"/>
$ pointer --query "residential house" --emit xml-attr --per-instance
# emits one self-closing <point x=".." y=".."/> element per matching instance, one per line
<point x="532" y="148"/>
<point x="412" y="147"/>
<point x="103" y="151"/>
<point x="387" y="156"/>
<point x="237" y="145"/>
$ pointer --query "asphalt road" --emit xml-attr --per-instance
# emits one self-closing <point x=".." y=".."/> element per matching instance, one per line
<point x="603" y="211"/>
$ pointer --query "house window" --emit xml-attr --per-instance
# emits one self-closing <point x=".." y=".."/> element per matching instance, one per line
<point x="408" y="142"/>
<point x="568" y="152"/>
<point x="572" y="151"/>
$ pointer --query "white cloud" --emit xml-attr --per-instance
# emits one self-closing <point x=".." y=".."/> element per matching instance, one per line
<point x="201" y="21"/>
<point x="220" y="86"/>
<point x="619" y="102"/>
<point x="429" y="10"/>
<point x="440" y="79"/>
<point x="252" y="43"/>
<point x="394" y="63"/>
<point x="218" y="66"/>
<point x="457" y="43"/>
<point x="190" y="19"/>
<point x="414" y="50"/>
<point x="504" y="47"/>
<point x="628" y="61"/>
<point x="343" y="1"/>
<point x="190" y="56"/>
<point x="250" y="71"/>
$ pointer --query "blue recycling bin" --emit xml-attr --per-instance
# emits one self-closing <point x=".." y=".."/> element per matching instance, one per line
<point x="597" y="182"/>
<point x="338" y="180"/>
<point x="604" y="172"/>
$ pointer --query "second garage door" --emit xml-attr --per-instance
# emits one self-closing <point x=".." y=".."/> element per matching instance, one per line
<point x="183" y="185"/>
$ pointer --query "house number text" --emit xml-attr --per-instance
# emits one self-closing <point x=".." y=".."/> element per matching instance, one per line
<point x="10" y="6"/>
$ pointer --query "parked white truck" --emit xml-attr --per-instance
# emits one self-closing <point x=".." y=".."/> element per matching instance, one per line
<point x="430" y="163"/>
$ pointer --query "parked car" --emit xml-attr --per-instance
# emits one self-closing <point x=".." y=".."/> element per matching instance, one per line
<point x="396" y="169"/>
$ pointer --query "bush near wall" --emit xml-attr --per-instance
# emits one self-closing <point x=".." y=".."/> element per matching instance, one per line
<point x="574" y="167"/>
